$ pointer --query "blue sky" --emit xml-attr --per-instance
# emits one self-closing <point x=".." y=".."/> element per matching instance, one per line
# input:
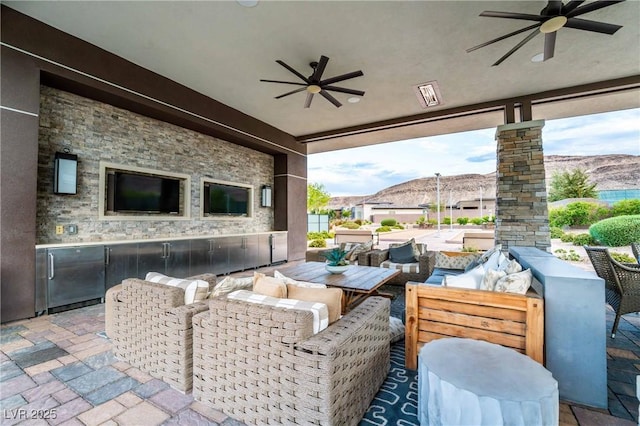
<point x="367" y="170"/>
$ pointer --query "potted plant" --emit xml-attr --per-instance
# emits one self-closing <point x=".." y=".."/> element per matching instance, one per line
<point x="336" y="260"/>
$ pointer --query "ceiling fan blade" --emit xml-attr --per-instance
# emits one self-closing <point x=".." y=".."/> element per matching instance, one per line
<point x="292" y="92"/>
<point x="317" y="74"/>
<point x="512" y="15"/>
<point x="549" y="45"/>
<point x="344" y="90"/>
<point x="598" y="27"/>
<point x="307" y="102"/>
<point x="341" y="78"/>
<point x="571" y="5"/>
<point x="517" y="46"/>
<point x="530" y="27"/>
<point x="553" y="8"/>
<point x="302" y="77"/>
<point x="330" y="98"/>
<point x="590" y="7"/>
<point x="283" y="82"/>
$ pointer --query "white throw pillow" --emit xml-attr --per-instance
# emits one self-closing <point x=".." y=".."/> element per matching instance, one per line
<point x="229" y="284"/>
<point x="490" y="279"/>
<point x="510" y="266"/>
<point x="494" y="261"/>
<point x="396" y="329"/>
<point x="194" y="290"/>
<point x="469" y="280"/>
<point x="287" y="280"/>
<point x="515" y="283"/>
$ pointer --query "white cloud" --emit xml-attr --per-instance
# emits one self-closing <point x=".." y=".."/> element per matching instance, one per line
<point x="366" y="170"/>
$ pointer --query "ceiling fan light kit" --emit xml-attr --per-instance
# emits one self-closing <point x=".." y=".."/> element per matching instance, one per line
<point x="552" y="18"/>
<point x="314" y="84"/>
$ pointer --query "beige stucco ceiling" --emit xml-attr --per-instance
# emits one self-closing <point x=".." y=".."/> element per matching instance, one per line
<point x="222" y="49"/>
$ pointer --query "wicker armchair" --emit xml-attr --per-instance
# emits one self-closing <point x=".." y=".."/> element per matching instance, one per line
<point x="622" y="282"/>
<point x="152" y="330"/>
<point x="635" y="248"/>
<point x="418" y="271"/>
<point x="262" y="365"/>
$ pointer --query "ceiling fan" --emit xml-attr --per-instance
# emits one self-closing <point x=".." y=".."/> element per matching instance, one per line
<point x="314" y="83"/>
<point x="554" y="16"/>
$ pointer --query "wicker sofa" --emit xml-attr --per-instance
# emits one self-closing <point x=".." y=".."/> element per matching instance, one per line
<point x="263" y="365"/>
<point x="416" y="271"/>
<point x="151" y="329"/>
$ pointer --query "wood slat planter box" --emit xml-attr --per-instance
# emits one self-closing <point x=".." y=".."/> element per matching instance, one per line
<point x="435" y="312"/>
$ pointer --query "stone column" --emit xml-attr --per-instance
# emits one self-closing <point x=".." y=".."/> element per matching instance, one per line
<point x="522" y="217"/>
<point x="290" y="201"/>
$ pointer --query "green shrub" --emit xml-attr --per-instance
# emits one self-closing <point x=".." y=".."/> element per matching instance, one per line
<point x="626" y="207"/>
<point x="388" y="222"/>
<point x="617" y="231"/>
<point x="319" y="235"/>
<point x="318" y="243"/>
<point x="477" y="220"/>
<point x="622" y="257"/>
<point x="350" y="225"/>
<point x="566" y="238"/>
<point x="570" y="255"/>
<point x="583" y="240"/>
<point x="358" y="221"/>
<point x="462" y="220"/>
<point x="446" y="220"/>
<point x="432" y="221"/>
<point x="384" y="229"/>
<point x="556" y="232"/>
<point x="470" y="250"/>
<point x="577" y="214"/>
<point x="398" y="226"/>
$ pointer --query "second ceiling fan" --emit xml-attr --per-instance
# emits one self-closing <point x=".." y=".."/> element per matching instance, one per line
<point x="554" y="16"/>
<point x="314" y="83"/>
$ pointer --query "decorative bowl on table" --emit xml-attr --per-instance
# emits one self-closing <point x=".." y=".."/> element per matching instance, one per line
<point x="336" y="261"/>
<point x="336" y="269"/>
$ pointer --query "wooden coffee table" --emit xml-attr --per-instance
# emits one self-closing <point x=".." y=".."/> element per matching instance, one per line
<point x="357" y="282"/>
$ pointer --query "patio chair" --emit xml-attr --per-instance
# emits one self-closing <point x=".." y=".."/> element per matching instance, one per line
<point x="418" y="270"/>
<point x="622" y="282"/>
<point x="635" y="248"/>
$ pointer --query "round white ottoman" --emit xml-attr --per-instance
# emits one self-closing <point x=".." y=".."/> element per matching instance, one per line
<point x="471" y="382"/>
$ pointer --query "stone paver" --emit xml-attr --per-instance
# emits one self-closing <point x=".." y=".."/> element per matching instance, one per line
<point x="101" y="413"/>
<point x="142" y="414"/>
<point x="171" y="400"/>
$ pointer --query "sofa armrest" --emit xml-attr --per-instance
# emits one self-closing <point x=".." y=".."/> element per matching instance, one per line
<point x="378" y="256"/>
<point x="364" y="258"/>
<point x="427" y="263"/>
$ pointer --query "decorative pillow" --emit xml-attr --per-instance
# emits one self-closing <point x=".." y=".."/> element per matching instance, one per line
<point x="194" y="290"/>
<point x="490" y="278"/>
<point x="332" y="297"/>
<point x="487" y="254"/>
<point x="229" y="284"/>
<point x="510" y="266"/>
<point x="319" y="310"/>
<point x="469" y="280"/>
<point x="287" y="280"/>
<point x="412" y="242"/>
<point x="402" y="254"/>
<point x="515" y="283"/>
<point x="494" y="261"/>
<point x="454" y="262"/>
<point x="352" y="255"/>
<point x="396" y="329"/>
<point x="269" y="286"/>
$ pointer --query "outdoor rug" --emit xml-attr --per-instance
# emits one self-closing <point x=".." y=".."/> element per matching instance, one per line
<point x="397" y="401"/>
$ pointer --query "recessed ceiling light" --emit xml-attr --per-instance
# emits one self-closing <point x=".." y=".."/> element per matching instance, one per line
<point x="538" y="58"/>
<point x="247" y="3"/>
<point x="353" y="100"/>
<point x="428" y="94"/>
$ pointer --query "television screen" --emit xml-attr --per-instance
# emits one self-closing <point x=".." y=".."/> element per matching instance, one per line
<point x="143" y="193"/>
<point x="226" y="199"/>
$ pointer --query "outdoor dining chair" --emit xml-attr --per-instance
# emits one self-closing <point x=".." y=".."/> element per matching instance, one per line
<point x="622" y="282"/>
<point x="635" y="248"/>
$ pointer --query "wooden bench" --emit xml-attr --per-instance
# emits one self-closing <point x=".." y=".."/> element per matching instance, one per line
<point x="507" y="319"/>
<point x="479" y="240"/>
<point x="354" y="236"/>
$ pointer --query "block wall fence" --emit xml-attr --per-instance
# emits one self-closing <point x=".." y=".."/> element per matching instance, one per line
<point x="96" y="131"/>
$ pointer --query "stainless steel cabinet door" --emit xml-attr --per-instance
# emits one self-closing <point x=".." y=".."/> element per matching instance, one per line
<point x="178" y="254"/>
<point x="220" y="256"/>
<point x="151" y="258"/>
<point x="75" y="274"/>
<point x="201" y="257"/>
<point x="121" y="262"/>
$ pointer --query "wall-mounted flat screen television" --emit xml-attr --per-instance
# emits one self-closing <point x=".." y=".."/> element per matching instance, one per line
<point x="220" y="199"/>
<point x="145" y="193"/>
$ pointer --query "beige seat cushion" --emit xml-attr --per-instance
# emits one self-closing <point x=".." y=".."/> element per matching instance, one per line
<point x="332" y="297"/>
<point x="269" y="286"/>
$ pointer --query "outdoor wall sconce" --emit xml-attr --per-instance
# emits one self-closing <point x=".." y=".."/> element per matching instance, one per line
<point x="266" y="196"/>
<point x="65" y="173"/>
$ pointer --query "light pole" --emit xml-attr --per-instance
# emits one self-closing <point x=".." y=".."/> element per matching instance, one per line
<point x="450" y="212"/>
<point x="438" y="198"/>
<point x="481" y="189"/>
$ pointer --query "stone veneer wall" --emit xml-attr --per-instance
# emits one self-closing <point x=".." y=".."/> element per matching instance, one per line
<point x="96" y="132"/>
<point x="522" y="217"/>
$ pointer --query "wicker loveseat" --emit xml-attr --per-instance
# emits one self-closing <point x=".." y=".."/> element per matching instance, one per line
<point x="263" y="365"/>
<point x="151" y="329"/>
